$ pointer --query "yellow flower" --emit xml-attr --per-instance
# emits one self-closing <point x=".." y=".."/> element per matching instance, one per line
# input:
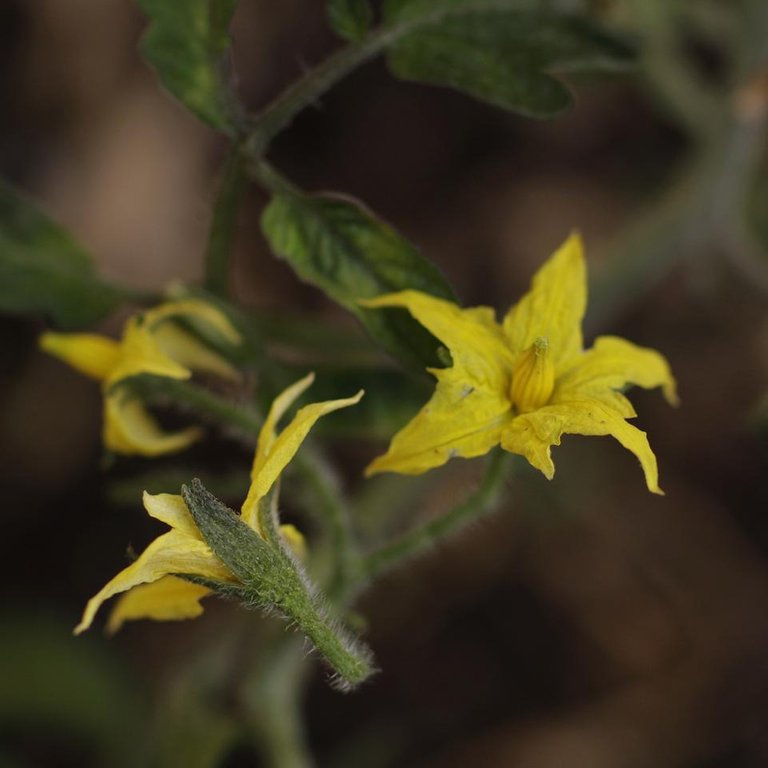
<point x="153" y="591"/>
<point x="150" y="344"/>
<point x="524" y="383"/>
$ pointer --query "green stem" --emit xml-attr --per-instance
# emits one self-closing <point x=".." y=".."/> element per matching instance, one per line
<point x="243" y="418"/>
<point x="221" y="237"/>
<point x="308" y="89"/>
<point x="414" y="542"/>
<point x="321" y="482"/>
<point x="272" y="694"/>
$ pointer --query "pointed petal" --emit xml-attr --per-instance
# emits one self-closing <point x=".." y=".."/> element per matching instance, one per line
<point x="130" y="429"/>
<point x="168" y="599"/>
<point x="554" y="306"/>
<point x="611" y="364"/>
<point x="280" y="405"/>
<point x="173" y="552"/>
<point x="171" y="509"/>
<point x="532" y="434"/>
<point x="459" y="420"/>
<point x="140" y="353"/>
<point x="189" y="352"/>
<point x="283" y="449"/>
<point x="88" y="353"/>
<point x="473" y="336"/>
<point x="194" y="309"/>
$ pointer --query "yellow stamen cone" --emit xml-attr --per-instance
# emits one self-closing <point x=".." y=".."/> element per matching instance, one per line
<point x="533" y="379"/>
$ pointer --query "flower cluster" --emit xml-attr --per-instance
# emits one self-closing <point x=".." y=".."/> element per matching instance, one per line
<point x="520" y="384"/>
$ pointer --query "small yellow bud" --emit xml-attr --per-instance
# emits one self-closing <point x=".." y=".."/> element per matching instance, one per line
<point x="533" y="378"/>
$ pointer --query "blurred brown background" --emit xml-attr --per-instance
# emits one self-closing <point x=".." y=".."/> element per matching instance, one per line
<point x="588" y="624"/>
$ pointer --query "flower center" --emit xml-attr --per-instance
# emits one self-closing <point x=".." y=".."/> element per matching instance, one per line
<point x="533" y="378"/>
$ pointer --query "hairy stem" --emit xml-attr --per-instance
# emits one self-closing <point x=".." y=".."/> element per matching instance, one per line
<point x="481" y="502"/>
<point x="218" y="256"/>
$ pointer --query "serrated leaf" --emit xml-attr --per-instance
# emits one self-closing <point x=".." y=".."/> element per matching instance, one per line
<point x="43" y="270"/>
<point x="187" y="43"/>
<point x="505" y="57"/>
<point x="338" y="246"/>
<point x="350" y="19"/>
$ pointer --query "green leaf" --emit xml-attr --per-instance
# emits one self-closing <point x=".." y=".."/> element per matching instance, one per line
<point x="505" y="57"/>
<point x="188" y="43"/>
<point x="350" y="19"/>
<point x="338" y="246"/>
<point x="271" y="579"/>
<point x="43" y="270"/>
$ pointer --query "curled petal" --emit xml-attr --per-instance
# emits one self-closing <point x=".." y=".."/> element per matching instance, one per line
<point x="168" y="599"/>
<point x="611" y="364"/>
<point x="473" y="336"/>
<point x="554" y="306"/>
<point x="280" y="405"/>
<point x="459" y="420"/>
<point x="195" y="310"/>
<point x="131" y="430"/>
<point x="533" y="434"/>
<point x="189" y="352"/>
<point x="173" y="552"/>
<point x="88" y="353"/>
<point x="282" y="449"/>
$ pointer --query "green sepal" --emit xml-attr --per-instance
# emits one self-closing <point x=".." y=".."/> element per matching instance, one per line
<point x="187" y="43"/>
<point x="337" y="245"/>
<point x="272" y="580"/>
<point x="350" y="19"/>
<point x="506" y="57"/>
<point x="43" y="270"/>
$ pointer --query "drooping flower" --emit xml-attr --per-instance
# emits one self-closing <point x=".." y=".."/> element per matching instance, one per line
<point x="151" y="344"/>
<point x="153" y="590"/>
<point x="524" y="383"/>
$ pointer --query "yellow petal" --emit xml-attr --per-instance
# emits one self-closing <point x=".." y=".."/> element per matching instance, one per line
<point x="267" y="434"/>
<point x="131" y="430"/>
<point x="171" y="509"/>
<point x="173" y="552"/>
<point x="283" y="449"/>
<point x="189" y="352"/>
<point x="168" y="599"/>
<point x="611" y="364"/>
<point x="532" y="434"/>
<point x="554" y="306"/>
<point x="459" y="420"/>
<point x="140" y="353"/>
<point x="88" y="353"/>
<point x="194" y="309"/>
<point x="473" y="336"/>
<point x="295" y="540"/>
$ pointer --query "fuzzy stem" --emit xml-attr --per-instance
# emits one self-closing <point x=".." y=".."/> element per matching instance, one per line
<point x="232" y="186"/>
<point x="483" y="501"/>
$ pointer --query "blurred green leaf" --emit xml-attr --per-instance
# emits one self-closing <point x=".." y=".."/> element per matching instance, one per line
<point x="187" y="43"/>
<point x="43" y="270"/>
<point x="504" y="57"/>
<point x="56" y="683"/>
<point x="350" y="19"/>
<point x="338" y="246"/>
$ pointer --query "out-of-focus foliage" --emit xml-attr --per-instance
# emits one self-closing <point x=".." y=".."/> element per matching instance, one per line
<point x="350" y="19"/>
<point x="505" y="57"/>
<point x="187" y="43"/>
<point x="44" y="271"/>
